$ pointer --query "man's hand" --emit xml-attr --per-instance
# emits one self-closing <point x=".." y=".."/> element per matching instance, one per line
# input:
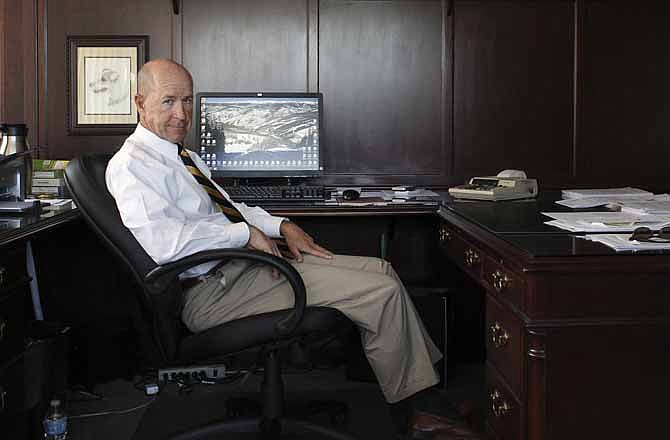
<point x="261" y="242"/>
<point x="299" y="241"/>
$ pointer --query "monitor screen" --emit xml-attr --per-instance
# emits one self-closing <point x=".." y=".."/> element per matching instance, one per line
<point x="260" y="134"/>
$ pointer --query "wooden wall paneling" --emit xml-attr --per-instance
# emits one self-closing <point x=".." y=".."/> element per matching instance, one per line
<point x="246" y="45"/>
<point x="313" y="45"/>
<point x="625" y="94"/>
<point x="13" y="61"/>
<point x="40" y="131"/>
<point x="29" y="38"/>
<point x="84" y="17"/>
<point x="21" y="28"/>
<point x="381" y="70"/>
<point x="3" y="58"/>
<point x="177" y="32"/>
<point x="513" y="88"/>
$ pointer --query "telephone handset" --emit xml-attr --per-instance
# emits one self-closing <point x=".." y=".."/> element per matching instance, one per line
<point x="506" y="185"/>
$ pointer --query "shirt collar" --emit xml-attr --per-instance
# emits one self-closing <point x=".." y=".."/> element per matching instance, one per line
<point x="156" y="143"/>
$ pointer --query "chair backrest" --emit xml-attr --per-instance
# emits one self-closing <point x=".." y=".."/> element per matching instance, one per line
<point x="85" y="178"/>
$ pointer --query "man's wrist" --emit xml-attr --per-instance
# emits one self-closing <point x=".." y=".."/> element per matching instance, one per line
<point x="284" y="223"/>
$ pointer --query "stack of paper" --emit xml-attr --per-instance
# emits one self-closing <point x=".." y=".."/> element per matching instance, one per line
<point x="601" y="197"/>
<point x="605" y="192"/>
<point x="622" y="242"/>
<point x="605" y="221"/>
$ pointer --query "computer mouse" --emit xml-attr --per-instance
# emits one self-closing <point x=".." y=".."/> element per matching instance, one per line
<point x="350" y="194"/>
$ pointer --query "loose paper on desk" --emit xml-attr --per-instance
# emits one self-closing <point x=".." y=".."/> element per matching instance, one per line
<point x="622" y="243"/>
<point x="420" y="194"/>
<point x="646" y="206"/>
<point x="54" y="204"/>
<point x="363" y="201"/>
<point x="592" y="202"/>
<point x="605" y="221"/>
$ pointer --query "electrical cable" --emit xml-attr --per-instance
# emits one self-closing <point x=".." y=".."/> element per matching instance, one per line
<point x="86" y="395"/>
<point x="113" y="412"/>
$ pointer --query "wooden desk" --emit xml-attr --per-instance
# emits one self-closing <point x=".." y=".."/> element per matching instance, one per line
<point x="578" y="337"/>
<point x="80" y="280"/>
<point x="15" y="279"/>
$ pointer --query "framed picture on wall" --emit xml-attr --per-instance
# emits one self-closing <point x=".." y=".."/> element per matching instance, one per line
<point x="102" y="81"/>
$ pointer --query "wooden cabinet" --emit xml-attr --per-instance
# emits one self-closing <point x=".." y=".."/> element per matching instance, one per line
<point x="576" y="335"/>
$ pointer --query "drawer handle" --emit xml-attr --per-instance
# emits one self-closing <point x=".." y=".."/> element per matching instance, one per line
<point x="3" y="327"/>
<point x="3" y="399"/>
<point x="499" y="336"/>
<point x="501" y="281"/>
<point x="471" y="258"/>
<point x="499" y="406"/>
<point x="445" y="234"/>
<point x="2" y="275"/>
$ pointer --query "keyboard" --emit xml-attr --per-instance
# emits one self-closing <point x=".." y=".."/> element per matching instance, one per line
<point x="277" y="194"/>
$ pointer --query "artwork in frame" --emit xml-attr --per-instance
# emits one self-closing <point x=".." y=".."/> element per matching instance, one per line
<point x="102" y="81"/>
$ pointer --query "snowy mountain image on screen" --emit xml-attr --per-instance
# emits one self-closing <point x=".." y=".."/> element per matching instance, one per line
<point x="250" y="130"/>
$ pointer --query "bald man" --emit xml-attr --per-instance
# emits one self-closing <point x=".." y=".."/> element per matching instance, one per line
<point x="173" y="216"/>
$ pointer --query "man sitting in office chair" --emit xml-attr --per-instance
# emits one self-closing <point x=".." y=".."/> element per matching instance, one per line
<point x="167" y="199"/>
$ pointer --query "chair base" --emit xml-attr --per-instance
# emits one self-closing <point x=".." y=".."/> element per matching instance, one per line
<point x="267" y="429"/>
<point x="336" y="411"/>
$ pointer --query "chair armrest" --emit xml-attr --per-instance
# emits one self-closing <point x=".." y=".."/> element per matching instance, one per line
<point x="287" y="325"/>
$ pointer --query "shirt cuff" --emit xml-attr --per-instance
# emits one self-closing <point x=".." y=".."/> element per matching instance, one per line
<point x="239" y="234"/>
<point x="271" y="225"/>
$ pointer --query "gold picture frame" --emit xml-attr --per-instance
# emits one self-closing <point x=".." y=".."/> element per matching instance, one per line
<point x="102" y="82"/>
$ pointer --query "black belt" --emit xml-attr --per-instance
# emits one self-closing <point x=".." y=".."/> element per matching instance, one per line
<point x="189" y="283"/>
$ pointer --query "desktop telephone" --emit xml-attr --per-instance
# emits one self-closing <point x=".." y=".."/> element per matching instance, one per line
<point x="507" y="185"/>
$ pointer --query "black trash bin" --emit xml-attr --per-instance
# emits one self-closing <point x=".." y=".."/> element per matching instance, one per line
<point x="45" y="370"/>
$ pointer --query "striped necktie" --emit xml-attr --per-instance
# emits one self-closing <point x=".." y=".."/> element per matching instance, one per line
<point x="226" y="207"/>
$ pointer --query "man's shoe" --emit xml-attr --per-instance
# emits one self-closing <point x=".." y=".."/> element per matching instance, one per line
<point x="423" y="425"/>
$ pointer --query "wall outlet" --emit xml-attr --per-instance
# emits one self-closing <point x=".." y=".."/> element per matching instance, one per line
<point x="193" y="372"/>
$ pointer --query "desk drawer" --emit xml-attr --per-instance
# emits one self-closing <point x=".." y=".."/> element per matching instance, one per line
<point x="505" y="343"/>
<point x="11" y="325"/>
<point x="503" y="282"/>
<point x="503" y="416"/>
<point x="12" y="268"/>
<point x="463" y="254"/>
<point x="11" y="388"/>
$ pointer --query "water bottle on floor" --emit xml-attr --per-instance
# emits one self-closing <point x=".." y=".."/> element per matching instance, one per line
<point x="55" y="422"/>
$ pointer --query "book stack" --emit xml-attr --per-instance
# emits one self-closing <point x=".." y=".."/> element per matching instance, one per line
<point x="48" y="181"/>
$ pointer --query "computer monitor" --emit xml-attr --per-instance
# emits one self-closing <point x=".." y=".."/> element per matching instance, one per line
<point x="260" y="134"/>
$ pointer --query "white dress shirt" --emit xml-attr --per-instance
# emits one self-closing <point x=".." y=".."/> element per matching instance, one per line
<point x="167" y="210"/>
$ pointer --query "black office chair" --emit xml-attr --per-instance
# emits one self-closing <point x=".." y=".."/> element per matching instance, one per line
<point x="160" y="293"/>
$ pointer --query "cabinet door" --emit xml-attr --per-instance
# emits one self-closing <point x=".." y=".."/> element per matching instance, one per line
<point x="624" y="93"/>
<point x="513" y="88"/>
<point x="607" y="381"/>
<point x="382" y="69"/>
<point x="12" y="418"/>
<point x="13" y="293"/>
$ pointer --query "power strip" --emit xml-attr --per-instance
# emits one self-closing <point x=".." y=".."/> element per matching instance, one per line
<point x="209" y="371"/>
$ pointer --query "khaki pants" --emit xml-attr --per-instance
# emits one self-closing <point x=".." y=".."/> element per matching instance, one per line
<point x="366" y="290"/>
